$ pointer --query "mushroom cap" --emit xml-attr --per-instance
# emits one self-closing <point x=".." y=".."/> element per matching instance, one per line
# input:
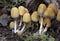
<point x="49" y="13"/>
<point x="53" y="6"/>
<point x="14" y="12"/>
<point x="58" y="16"/>
<point x="41" y="8"/>
<point x="11" y="25"/>
<point x="26" y="18"/>
<point x="47" y="21"/>
<point x="34" y="16"/>
<point x="21" y="10"/>
<point x="19" y="33"/>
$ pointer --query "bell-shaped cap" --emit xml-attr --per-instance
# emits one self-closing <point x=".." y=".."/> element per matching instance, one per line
<point x="53" y="6"/>
<point x="26" y="18"/>
<point x="21" y="10"/>
<point x="14" y="12"/>
<point x="41" y="9"/>
<point x="49" y="13"/>
<point x="11" y="25"/>
<point x="34" y="16"/>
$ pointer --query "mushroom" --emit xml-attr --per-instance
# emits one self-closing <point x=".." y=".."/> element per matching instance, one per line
<point x="47" y="23"/>
<point x="49" y="13"/>
<point x="58" y="16"/>
<point x="15" y="15"/>
<point x="26" y="19"/>
<point x="41" y="10"/>
<point x="41" y="25"/>
<point x="34" y="16"/>
<point x="11" y="25"/>
<point x="22" y="11"/>
<point x="53" y="6"/>
<point x="19" y="33"/>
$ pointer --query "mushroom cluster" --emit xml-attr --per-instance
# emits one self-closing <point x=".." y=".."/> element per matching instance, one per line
<point x="24" y="17"/>
<point x="43" y="15"/>
<point x="48" y="14"/>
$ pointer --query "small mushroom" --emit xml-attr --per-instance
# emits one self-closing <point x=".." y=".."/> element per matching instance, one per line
<point x="26" y="19"/>
<point x="15" y="15"/>
<point x="19" y="33"/>
<point x="58" y="16"/>
<point x="35" y="17"/>
<point x="11" y="25"/>
<point x="22" y="11"/>
<point x="49" y="13"/>
<point x="53" y="6"/>
<point x="41" y="10"/>
<point x="41" y="25"/>
<point x="47" y="23"/>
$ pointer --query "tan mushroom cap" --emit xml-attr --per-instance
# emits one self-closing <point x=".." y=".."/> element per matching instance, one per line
<point x="41" y="8"/>
<point x="49" y="13"/>
<point x="11" y="25"/>
<point x="34" y="16"/>
<point x="58" y="16"/>
<point x="47" y="21"/>
<point x="53" y="6"/>
<point x="26" y="18"/>
<point x="14" y="12"/>
<point x="21" y="10"/>
<point x="19" y="33"/>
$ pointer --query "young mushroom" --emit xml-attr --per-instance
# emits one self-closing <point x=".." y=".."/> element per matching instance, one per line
<point x="11" y="25"/>
<point x="53" y="6"/>
<point x="47" y="23"/>
<point x="15" y="15"/>
<point x="35" y="17"/>
<point x="26" y="19"/>
<point x="41" y="25"/>
<point x="41" y="9"/>
<point x="49" y="13"/>
<point x="22" y="10"/>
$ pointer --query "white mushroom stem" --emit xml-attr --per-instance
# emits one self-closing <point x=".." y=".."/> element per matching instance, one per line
<point x="20" y="22"/>
<point x="45" y="29"/>
<point x="23" y="28"/>
<point x="15" y="27"/>
<point x="41" y="25"/>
